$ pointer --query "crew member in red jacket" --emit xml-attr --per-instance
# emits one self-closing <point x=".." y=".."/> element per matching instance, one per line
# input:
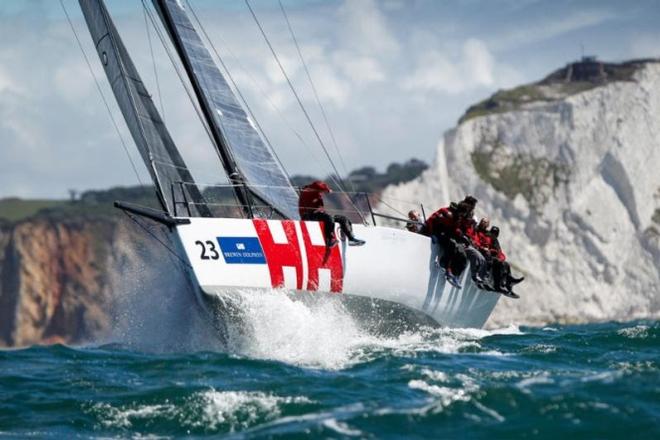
<point x="448" y="226"/>
<point x="502" y="279"/>
<point x="310" y="207"/>
<point x="474" y="251"/>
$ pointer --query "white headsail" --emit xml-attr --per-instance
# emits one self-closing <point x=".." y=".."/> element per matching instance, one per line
<point x="240" y="146"/>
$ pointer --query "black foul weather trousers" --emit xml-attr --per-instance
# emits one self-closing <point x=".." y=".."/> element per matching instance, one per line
<point x="501" y="273"/>
<point x="329" y="224"/>
<point x="453" y="254"/>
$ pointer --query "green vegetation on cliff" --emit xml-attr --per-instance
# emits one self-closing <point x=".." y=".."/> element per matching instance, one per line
<point x="656" y="216"/>
<point x="534" y="178"/>
<point x="575" y="78"/>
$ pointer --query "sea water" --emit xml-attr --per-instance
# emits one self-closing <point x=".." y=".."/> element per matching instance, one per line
<point x="297" y="370"/>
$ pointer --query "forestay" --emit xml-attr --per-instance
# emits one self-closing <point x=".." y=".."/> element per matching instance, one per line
<point x="233" y="128"/>
<point x="166" y="166"/>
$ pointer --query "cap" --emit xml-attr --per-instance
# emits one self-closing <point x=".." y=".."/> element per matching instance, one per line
<point x="470" y="200"/>
<point x="320" y="186"/>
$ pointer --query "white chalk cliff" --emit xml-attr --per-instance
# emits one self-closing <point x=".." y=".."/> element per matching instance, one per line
<point x="569" y="168"/>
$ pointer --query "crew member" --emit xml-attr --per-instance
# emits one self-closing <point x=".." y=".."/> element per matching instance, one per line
<point x="502" y="279"/>
<point x="415" y="225"/>
<point x="310" y="207"/>
<point x="445" y="226"/>
<point x="479" y="241"/>
<point x="470" y="204"/>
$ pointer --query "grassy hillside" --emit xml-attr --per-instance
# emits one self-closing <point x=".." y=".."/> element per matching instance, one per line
<point x="13" y="209"/>
<point x="90" y="203"/>
<point x="100" y="202"/>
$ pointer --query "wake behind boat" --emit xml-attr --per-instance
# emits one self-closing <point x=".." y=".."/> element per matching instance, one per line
<point x="261" y="242"/>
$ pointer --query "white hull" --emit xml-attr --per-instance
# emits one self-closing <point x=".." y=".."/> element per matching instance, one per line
<point x="395" y="265"/>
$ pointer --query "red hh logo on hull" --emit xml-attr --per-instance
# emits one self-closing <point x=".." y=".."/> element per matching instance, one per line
<point x="291" y="254"/>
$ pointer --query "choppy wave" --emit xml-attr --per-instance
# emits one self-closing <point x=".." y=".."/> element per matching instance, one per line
<point x="596" y="380"/>
<point x="208" y="410"/>
<point x="325" y="335"/>
<point x="273" y="325"/>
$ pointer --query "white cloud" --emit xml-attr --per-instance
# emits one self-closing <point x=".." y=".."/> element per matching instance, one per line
<point x="359" y="69"/>
<point x="6" y="83"/>
<point x="330" y="86"/>
<point x="366" y="30"/>
<point x="290" y="64"/>
<point x="478" y="63"/>
<point x="474" y="67"/>
<point x="365" y="57"/>
<point x="74" y="81"/>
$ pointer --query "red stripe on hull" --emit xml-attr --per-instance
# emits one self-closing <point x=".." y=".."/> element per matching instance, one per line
<point x="279" y="255"/>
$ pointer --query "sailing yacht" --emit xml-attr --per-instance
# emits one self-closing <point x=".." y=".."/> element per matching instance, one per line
<point x="263" y="245"/>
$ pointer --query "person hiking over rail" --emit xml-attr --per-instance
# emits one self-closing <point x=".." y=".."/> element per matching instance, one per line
<point x="503" y="281"/>
<point x="310" y="207"/>
<point x="415" y="224"/>
<point x="479" y="240"/>
<point x="448" y="226"/>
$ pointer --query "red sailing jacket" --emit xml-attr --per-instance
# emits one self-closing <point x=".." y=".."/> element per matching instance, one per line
<point x="311" y="197"/>
<point x="484" y="241"/>
<point x="440" y="221"/>
<point x="468" y="227"/>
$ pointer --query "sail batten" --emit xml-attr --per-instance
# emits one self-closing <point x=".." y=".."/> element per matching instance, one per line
<point x="246" y="157"/>
<point x="169" y="173"/>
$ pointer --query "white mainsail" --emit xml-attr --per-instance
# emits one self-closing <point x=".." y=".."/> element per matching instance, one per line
<point x="172" y="179"/>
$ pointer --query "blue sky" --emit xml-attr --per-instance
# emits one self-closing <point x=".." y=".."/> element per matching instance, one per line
<point x="393" y="76"/>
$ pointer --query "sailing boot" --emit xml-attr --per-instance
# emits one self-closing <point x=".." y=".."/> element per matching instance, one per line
<point x="452" y="279"/>
<point x="513" y="280"/>
<point x="502" y="288"/>
<point x="510" y="294"/>
<point x="352" y="241"/>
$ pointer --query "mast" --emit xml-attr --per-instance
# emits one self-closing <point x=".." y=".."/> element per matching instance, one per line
<point x="233" y="173"/>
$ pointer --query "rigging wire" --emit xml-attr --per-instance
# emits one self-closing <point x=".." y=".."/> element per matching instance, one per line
<point x="389" y="206"/>
<point x="337" y="179"/>
<point x="153" y="60"/>
<point x="98" y="87"/>
<point x="277" y="110"/>
<point x="155" y="237"/>
<point x="316" y="95"/>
